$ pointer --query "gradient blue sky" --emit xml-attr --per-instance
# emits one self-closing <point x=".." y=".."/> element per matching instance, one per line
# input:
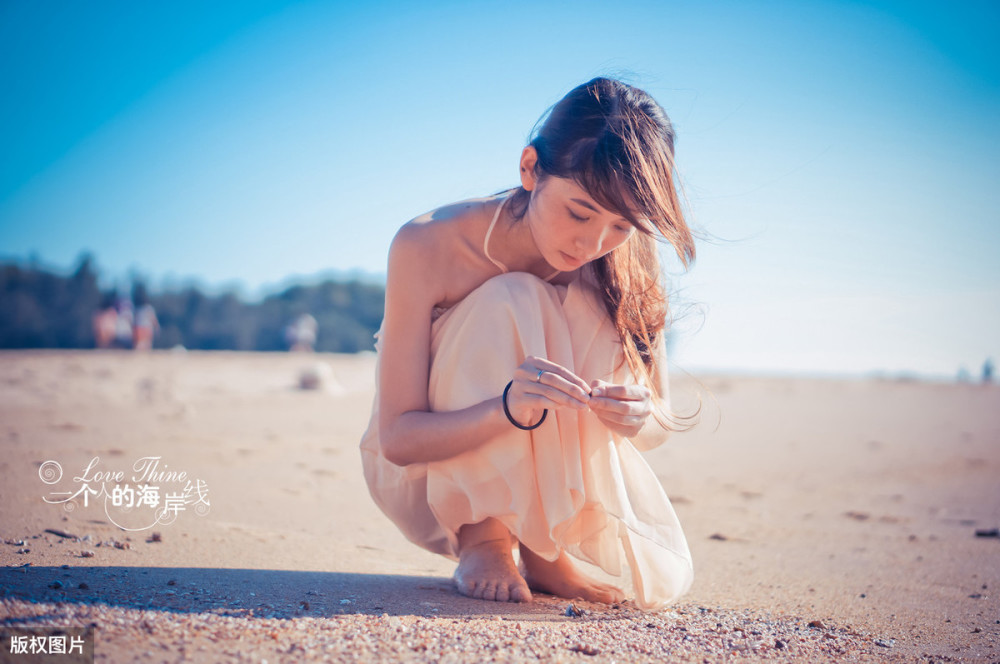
<point x="841" y="158"/>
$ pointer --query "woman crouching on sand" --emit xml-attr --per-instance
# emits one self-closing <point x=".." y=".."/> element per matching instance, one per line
<point x="522" y="365"/>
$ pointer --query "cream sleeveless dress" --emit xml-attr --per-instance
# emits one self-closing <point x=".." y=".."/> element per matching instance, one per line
<point x="570" y="485"/>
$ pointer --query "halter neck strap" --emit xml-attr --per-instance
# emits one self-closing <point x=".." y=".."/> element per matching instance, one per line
<point x="489" y="234"/>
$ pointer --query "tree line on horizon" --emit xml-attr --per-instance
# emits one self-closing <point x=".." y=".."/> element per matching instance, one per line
<point x="40" y="308"/>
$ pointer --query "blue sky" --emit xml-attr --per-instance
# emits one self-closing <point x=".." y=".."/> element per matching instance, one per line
<point x="839" y="158"/>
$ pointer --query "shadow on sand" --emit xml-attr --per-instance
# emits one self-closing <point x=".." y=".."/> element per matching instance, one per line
<point x="260" y="593"/>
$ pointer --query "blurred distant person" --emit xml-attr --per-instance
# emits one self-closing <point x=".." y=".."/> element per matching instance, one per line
<point x="123" y="324"/>
<point x="300" y="335"/>
<point x="988" y="371"/>
<point x="105" y="324"/>
<point x="145" y="328"/>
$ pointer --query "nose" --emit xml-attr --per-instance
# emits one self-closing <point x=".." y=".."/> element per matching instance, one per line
<point x="589" y="242"/>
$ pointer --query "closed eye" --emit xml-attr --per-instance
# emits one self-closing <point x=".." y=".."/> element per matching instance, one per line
<point x="575" y="215"/>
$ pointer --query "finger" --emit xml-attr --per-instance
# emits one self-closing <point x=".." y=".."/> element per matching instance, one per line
<point x="556" y="381"/>
<point x="554" y="395"/>
<point x="619" y="421"/>
<point x="606" y="405"/>
<point x="541" y="363"/>
<point x="532" y="396"/>
<point x="550" y="384"/>
<point x="527" y="407"/>
<point x="623" y="392"/>
<point x="532" y="407"/>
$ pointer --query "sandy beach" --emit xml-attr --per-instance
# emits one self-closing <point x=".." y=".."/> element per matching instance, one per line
<point x="829" y="520"/>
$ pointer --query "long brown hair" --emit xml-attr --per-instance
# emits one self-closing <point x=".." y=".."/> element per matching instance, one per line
<point x="617" y="143"/>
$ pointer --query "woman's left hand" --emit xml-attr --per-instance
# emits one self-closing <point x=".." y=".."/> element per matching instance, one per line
<point x="622" y="408"/>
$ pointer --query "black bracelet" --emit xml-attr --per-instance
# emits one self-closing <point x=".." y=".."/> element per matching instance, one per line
<point x="506" y="412"/>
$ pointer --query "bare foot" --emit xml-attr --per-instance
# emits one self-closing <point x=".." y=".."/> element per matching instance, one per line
<point x="563" y="579"/>
<point x="486" y="570"/>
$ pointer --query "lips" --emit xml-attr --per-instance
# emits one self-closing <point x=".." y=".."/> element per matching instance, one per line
<point x="575" y="262"/>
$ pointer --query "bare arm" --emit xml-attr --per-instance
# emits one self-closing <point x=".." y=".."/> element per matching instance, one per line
<point x="409" y="431"/>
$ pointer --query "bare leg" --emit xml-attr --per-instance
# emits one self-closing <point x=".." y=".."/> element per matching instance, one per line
<point x="486" y="568"/>
<point x="563" y="579"/>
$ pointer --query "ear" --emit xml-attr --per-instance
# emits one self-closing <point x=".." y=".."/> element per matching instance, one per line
<point x="529" y="159"/>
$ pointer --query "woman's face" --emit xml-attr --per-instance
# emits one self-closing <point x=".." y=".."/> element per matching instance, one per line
<point x="569" y="227"/>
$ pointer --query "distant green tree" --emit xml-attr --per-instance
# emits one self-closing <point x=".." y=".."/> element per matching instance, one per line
<point x="41" y="309"/>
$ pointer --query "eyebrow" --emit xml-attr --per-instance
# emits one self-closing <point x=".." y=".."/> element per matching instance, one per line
<point x="589" y="206"/>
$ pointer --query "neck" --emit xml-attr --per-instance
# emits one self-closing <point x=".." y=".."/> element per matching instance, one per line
<point x="514" y="245"/>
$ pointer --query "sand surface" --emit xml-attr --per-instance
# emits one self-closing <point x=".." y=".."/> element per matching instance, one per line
<point x="828" y="519"/>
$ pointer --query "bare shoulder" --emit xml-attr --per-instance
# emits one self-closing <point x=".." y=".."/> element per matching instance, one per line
<point x="446" y="222"/>
<point x="445" y="238"/>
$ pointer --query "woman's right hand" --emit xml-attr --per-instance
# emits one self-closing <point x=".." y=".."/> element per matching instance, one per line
<point x="539" y="384"/>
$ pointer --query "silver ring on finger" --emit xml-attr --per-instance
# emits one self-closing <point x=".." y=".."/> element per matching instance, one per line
<point x="538" y="378"/>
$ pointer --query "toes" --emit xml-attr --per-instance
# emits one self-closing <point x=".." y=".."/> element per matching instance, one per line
<point x="467" y="589"/>
<point x="608" y="594"/>
<point x="489" y="590"/>
<point x="519" y="593"/>
<point x="503" y="593"/>
<point x="608" y="597"/>
<point x="592" y="596"/>
<point x="616" y="595"/>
